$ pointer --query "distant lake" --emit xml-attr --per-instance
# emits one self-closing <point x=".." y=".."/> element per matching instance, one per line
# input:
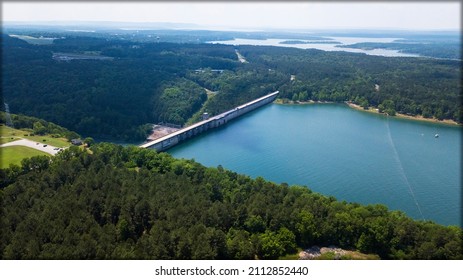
<point x="349" y="154"/>
<point x="324" y="46"/>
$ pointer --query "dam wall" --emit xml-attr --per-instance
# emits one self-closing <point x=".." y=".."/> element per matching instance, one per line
<point x="172" y="139"/>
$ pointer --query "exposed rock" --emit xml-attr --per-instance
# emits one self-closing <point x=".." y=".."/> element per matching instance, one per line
<point x="314" y="252"/>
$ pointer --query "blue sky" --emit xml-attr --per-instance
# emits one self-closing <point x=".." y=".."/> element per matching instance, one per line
<point x="296" y="15"/>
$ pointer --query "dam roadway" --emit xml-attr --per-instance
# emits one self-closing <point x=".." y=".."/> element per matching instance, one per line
<point x="170" y="140"/>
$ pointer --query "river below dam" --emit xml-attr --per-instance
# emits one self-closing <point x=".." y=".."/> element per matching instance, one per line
<point x="338" y="151"/>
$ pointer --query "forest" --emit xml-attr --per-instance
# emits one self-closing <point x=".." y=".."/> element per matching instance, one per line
<point x="414" y="86"/>
<point x="449" y="50"/>
<point x="114" y="202"/>
<point x="147" y="82"/>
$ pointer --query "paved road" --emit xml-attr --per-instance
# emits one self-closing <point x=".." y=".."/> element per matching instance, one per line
<point x="32" y="144"/>
<point x="241" y="57"/>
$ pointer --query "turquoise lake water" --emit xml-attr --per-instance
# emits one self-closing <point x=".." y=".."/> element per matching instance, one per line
<point x="351" y="155"/>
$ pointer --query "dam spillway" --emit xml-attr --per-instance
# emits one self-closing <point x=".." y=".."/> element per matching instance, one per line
<point x="174" y="138"/>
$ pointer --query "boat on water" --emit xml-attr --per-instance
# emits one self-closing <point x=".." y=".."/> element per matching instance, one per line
<point x="436" y="136"/>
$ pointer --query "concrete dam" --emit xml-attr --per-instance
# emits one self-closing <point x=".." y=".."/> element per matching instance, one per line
<point x="170" y="140"/>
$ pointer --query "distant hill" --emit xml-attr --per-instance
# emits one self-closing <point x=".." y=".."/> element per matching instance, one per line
<point x="99" y="25"/>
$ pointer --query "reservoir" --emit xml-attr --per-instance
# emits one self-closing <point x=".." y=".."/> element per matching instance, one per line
<point x="338" y="151"/>
<point x="324" y="47"/>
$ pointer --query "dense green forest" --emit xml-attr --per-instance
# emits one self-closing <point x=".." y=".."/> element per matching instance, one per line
<point x="114" y="98"/>
<point x="415" y="86"/>
<point x="149" y="82"/>
<point x="132" y="203"/>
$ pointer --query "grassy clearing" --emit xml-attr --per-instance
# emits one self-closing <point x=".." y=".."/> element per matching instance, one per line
<point x="57" y="142"/>
<point x="14" y="155"/>
<point x="350" y="255"/>
<point x="354" y="255"/>
<point x="9" y="134"/>
<point x="290" y="257"/>
<point x="4" y="140"/>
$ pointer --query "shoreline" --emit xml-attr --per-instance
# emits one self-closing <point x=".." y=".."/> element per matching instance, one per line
<point x="371" y="110"/>
<point x="290" y="102"/>
<point x="403" y="116"/>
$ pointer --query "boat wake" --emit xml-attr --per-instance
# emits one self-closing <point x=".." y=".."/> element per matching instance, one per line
<point x="401" y="168"/>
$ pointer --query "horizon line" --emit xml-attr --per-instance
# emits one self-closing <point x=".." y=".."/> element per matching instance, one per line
<point x="224" y="27"/>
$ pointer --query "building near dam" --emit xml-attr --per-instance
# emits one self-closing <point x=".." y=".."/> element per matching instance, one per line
<point x="168" y="141"/>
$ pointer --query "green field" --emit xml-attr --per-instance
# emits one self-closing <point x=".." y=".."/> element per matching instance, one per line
<point x="57" y="142"/>
<point x="9" y="134"/>
<point x="14" y="155"/>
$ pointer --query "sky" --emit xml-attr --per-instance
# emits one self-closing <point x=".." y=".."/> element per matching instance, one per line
<point x="253" y="15"/>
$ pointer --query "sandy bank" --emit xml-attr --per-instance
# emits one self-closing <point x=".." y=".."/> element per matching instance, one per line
<point x="369" y="110"/>
<point x="403" y="116"/>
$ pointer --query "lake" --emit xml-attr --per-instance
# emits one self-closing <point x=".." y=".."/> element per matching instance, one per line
<point x="338" y="151"/>
<point x="324" y="46"/>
